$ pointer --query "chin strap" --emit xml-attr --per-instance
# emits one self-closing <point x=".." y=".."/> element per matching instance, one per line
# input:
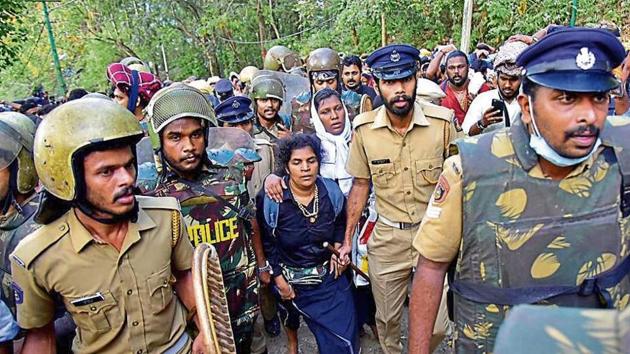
<point x="90" y="210"/>
<point x="10" y="198"/>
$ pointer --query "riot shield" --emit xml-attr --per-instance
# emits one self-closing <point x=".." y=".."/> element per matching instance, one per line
<point x="294" y="85"/>
<point x="230" y="145"/>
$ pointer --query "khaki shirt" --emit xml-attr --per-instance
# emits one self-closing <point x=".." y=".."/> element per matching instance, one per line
<point x="133" y="307"/>
<point x="403" y="168"/>
<point x="440" y="234"/>
<point x="262" y="168"/>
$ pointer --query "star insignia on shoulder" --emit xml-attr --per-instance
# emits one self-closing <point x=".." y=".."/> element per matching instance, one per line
<point x="585" y="59"/>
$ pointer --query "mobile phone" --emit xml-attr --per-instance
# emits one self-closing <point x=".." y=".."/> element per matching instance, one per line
<point x="499" y="105"/>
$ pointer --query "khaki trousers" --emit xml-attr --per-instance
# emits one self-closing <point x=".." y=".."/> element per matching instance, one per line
<point x="391" y="258"/>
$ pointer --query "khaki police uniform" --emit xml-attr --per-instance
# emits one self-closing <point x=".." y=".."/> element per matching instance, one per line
<point x="120" y="301"/>
<point x="262" y="168"/>
<point x="404" y="170"/>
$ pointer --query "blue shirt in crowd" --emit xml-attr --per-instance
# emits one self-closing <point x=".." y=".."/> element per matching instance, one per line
<point x="297" y="241"/>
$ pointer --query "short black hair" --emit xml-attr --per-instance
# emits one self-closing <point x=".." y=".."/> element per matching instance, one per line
<point x="352" y="60"/>
<point x="324" y="94"/>
<point x="456" y="54"/>
<point x="529" y="87"/>
<point x="76" y="94"/>
<point x="295" y="142"/>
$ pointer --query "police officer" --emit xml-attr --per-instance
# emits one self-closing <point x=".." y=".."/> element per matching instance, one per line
<point x="236" y="112"/>
<point x="17" y="200"/>
<point x="92" y="250"/>
<point x="533" y="214"/>
<point x="323" y="67"/>
<point x="551" y="329"/>
<point x="245" y="77"/>
<point x="281" y="58"/>
<point x="223" y="89"/>
<point x="268" y="96"/>
<point x="216" y="205"/>
<point x="399" y="149"/>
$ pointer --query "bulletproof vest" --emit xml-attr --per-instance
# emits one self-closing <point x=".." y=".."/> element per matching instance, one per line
<point x="13" y="228"/>
<point x="214" y="208"/>
<point x="533" y="234"/>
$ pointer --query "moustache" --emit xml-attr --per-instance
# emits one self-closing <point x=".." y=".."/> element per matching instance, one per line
<point x="401" y="98"/>
<point x="189" y="156"/>
<point x="582" y="130"/>
<point x="123" y="193"/>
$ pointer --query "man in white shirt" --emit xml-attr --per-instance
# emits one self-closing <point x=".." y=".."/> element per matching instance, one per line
<point x="484" y="116"/>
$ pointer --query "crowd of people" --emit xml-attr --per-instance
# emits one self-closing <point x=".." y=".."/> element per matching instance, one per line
<point x="334" y="189"/>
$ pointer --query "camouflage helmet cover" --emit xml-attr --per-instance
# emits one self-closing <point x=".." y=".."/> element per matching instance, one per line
<point x="179" y="101"/>
<point x="266" y="86"/>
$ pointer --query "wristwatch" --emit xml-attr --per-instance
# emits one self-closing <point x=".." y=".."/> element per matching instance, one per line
<point x="266" y="268"/>
<point x="480" y="125"/>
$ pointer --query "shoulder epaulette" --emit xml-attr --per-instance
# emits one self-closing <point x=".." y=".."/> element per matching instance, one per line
<point x="434" y="111"/>
<point x="168" y="203"/>
<point x="39" y="241"/>
<point x="364" y="118"/>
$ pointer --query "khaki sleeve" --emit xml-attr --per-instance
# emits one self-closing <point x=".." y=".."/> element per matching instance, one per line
<point x="357" y="164"/>
<point x="182" y="255"/>
<point x="440" y="233"/>
<point x="35" y="306"/>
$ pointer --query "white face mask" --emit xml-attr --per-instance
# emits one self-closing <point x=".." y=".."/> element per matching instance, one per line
<point x="544" y="150"/>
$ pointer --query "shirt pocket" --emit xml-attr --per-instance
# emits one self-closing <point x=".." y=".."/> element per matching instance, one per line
<point x="428" y="171"/>
<point x="95" y="317"/>
<point x="383" y="174"/>
<point x="160" y="289"/>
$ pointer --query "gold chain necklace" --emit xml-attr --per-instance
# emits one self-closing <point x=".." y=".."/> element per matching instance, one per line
<point x="310" y="215"/>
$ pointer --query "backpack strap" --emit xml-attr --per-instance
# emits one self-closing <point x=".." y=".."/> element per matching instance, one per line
<point x="334" y="194"/>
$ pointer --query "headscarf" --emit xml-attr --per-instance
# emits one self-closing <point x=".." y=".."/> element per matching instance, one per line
<point x="505" y="61"/>
<point x="336" y="149"/>
<point x="136" y="83"/>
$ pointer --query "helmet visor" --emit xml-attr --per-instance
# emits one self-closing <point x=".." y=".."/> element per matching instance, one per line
<point x="228" y="145"/>
<point x="9" y="148"/>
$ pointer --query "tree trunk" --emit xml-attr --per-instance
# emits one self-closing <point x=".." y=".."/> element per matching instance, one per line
<point x="261" y="27"/>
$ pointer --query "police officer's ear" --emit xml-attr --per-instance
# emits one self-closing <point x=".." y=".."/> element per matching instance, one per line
<point x="524" y="102"/>
<point x="376" y="81"/>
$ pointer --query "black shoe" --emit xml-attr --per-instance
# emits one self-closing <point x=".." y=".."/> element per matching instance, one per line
<point x="272" y="327"/>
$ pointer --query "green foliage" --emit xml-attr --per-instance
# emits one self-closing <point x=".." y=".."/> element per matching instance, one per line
<point x="214" y="37"/>
<point x="11" y="34"/>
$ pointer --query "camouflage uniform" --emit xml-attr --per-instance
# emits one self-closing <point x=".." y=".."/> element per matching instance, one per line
<point x="209" y="220"/>
<point x="547" y="330"/>
<point x="216" y="206"/>
<point x="511" y="241"/>
<point x="13" y="228"/>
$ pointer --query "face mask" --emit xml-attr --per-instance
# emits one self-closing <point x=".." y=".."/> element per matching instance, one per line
<point x="544" y="150"/>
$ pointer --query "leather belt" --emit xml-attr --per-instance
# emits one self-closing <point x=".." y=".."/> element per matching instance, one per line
<point x="398" y="225"/>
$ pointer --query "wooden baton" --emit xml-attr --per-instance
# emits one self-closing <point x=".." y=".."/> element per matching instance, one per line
<point x="352" y="265"/>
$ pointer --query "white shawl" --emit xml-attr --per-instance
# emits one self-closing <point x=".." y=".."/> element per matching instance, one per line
<point x="335" y="150"/>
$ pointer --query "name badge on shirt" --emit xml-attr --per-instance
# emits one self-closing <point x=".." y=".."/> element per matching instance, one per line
<point x="86" y="300"/>
<point x="380" y="162"/>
